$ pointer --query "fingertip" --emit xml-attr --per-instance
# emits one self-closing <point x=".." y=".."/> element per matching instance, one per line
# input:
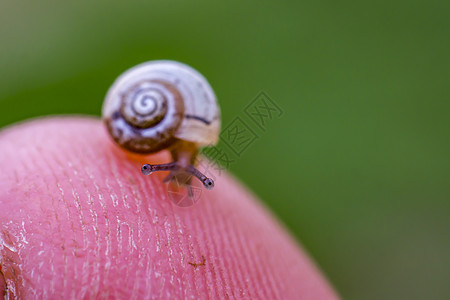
<point x="83" y="216"/>
<point x="3" y="286"/>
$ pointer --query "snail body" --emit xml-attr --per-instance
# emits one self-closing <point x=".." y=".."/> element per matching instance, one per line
<point x="163" y="105"/>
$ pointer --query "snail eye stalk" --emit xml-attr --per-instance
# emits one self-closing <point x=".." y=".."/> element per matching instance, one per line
<point x="148" y="169"/>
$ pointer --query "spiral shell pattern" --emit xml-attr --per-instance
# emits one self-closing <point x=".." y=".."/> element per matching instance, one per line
<point x="154" y="104"/>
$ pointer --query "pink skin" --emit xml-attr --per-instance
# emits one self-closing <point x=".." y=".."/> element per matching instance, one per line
<point x="78" y="220"/>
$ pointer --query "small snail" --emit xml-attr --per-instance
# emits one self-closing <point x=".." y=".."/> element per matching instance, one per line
<point x="164" y="105"/>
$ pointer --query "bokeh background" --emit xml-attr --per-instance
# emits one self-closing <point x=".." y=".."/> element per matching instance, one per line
<point x="358" y="165"/>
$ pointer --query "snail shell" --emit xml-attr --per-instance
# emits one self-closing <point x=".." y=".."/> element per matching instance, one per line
<point x="155" y="104"/>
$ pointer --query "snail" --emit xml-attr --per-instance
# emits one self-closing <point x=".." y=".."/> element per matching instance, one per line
<point x="160" y="105"/>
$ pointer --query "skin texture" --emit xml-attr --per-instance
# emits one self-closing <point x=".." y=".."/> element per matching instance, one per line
<point x="79" y="221"/>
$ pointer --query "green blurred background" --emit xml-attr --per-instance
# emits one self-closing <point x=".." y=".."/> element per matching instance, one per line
<point x="358" y="165"/>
